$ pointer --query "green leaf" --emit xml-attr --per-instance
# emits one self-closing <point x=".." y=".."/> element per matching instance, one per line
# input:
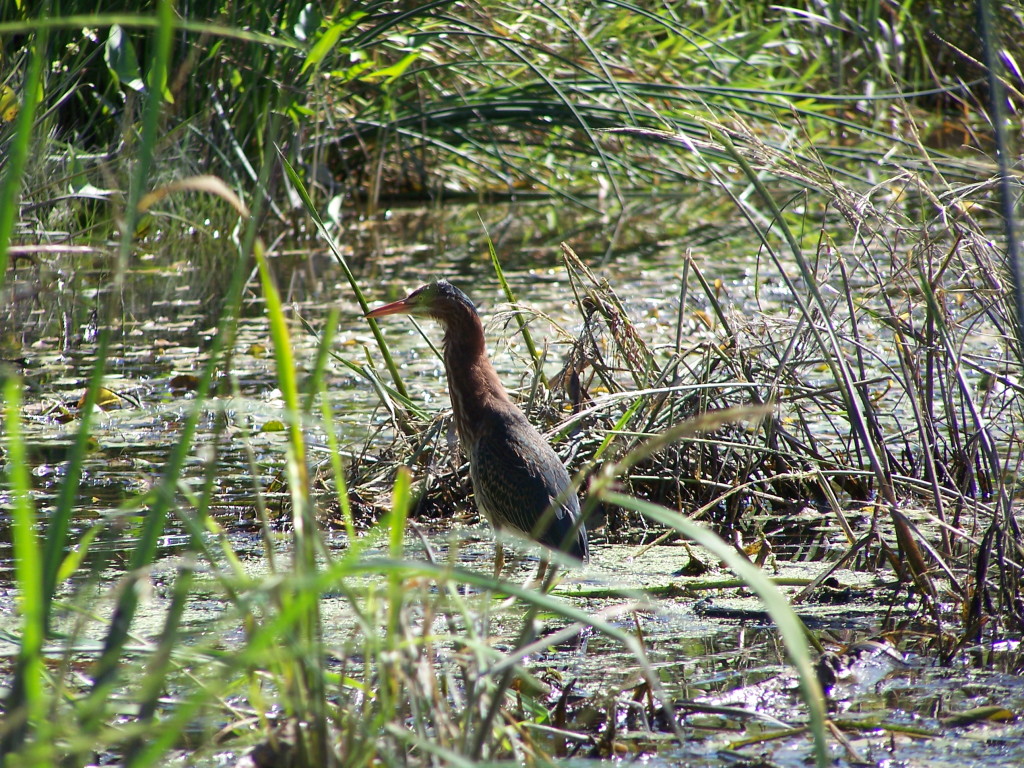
<point x="308" y="21"/>
<point x="119" y="54"/>
<point x="329" y="39"/>
<point x="394" y="71"/>
<point x="73" y="561"/>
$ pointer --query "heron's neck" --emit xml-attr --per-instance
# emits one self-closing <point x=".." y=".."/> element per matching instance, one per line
<point x="473" y="384"/>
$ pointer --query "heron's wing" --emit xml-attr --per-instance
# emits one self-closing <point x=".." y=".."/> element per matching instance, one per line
<point x="518" y="476"/>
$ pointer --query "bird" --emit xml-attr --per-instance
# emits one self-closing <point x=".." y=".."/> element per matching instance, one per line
<point x="519" y="482"/>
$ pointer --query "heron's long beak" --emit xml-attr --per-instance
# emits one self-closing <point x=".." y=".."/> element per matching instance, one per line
<point x="394" y="308"/>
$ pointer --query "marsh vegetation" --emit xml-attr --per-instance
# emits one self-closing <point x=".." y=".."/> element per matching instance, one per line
<point x="752" y="269"/>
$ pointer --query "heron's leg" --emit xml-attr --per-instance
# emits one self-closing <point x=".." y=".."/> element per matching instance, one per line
<point x="545" y="576"/>
<point x="499" y="558"/>
<point x="541" y="570"/>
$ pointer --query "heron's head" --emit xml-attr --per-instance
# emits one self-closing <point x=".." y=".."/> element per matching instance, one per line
<point x="440" y="300"/>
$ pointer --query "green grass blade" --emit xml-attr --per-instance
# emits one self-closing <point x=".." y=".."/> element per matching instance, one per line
<point x="305" y="685"/>
<point x="337" y="470"/>
<point x="306" y="538"/>
<point x="357" y="291"/>
<point x="59" y="522"/>
<point x="154" y="682"/>
<point x="26" y="703"/>
<point x="18" y="149"/>
<point x="316" y="385"/>
<point x="396" y="521"/>
<point x="323" y="352"/>
<point x="156" y="87"/>
<point x="510" y="297"/>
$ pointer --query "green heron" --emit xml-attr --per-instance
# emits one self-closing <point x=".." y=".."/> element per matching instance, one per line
<point x="519" y="482"/>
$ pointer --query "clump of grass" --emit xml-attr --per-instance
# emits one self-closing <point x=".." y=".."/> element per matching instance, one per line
<point x="878" y="347"/>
